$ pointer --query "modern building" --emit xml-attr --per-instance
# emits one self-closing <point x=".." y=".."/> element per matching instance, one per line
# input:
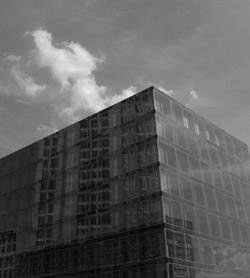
<point x="143" y="189"/>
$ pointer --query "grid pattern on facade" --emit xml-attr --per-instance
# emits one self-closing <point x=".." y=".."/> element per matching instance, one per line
<point x="144" y="188"/>
<point x="205" y="184"/>
<point x="7" y="249"/>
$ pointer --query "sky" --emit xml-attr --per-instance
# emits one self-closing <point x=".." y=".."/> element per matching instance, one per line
<point x="62" y="60"/>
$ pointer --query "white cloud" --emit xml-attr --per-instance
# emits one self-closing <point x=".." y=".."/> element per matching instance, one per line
<point x="47" y="129"/>
<point x="72" y="66"/>
<point x="193" y="99"/>
<point x="125" y="94"/>
<point x="194" y="94"/>
<point x="66" y="64"/>
<point x="27" y="83"/>
<point x="198" y="101"/>
<point x="13" y="58"/>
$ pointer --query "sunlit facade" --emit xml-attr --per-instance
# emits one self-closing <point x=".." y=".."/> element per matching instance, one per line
<point x="144" y="188"/>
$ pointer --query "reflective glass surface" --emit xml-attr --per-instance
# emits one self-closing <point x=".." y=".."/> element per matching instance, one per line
<point x="205" y="187"/>
<point x="144" y="188"/>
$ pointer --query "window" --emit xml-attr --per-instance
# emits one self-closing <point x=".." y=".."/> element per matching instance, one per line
<point x="204" y="150"/>
<point x="171" y="156"/>
<point x="185" y="121"/>
<point x="105" y="143"/>
<point x="181" y="138"/>
<point x="169" y="132"/>
<point x="54" y="163"/>
<point x="231" y="206"/>
<point x="237" y="187"/>
<point x="189" y="217"/>
<point x="236" y="231"/>
<point x="50" y="208"/>
<point x="187" y="190"/>
<point x="217" y="141"/>
<point x="167" y="155"/>
<point x="209" y="193"/>
<point x="162" y="155"/>
<point x="192" y="145"/>
<point x="199" y="193"/>
<point x="177" y="111"/>
<point x="188" y="119"/>
<point x="94" y="144"/>
<point x="105" y="123"/>
<point x="183" y="161"/>
<point x="192" y="249"/>
<point x="52" y="184"/>
<point x="207" y="176"/>
<point x="221" y="202"/>
<point x="94" y="123"/>
<point x="105" y="173"/>
<point x="214" y="225"/>
<point x="245" y="234"/>
<point x="54" y="141"/>
<point x="177" y="213"/>
<point x="173" y="184"/>
<point x="223" y="159"/>
<point x="194" y="166"/>
<point x="105" y="163"/>
<point x="211" y="133"/>
<point x="229" y="143"/>
<point x="218" y="180"/>
<point x="206" y="251"/>
<point x="214" y="155"/>
<point x="228" y="183"/>
<point x="207" y="135"/>
<point x="162" y="104"/>
<point x="197" y="129"/>
<point x="46" y="142"/>
<point x="202" y="221"/>
<point x="42" y="209"/>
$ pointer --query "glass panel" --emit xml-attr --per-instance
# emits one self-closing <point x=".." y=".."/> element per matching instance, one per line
<point x="177" y="213"/>
<point x="225" y="228"/>
<point x="214" y="225"/>
<point x="171" y="157"/>
<point x="172" y="212"/>
<point x="194" y="167"/>
<point x="202" y="221"/>
<point x="190" y="119"/>
<point x="205" y="251"/>
<point x="189" y="217"/>
<point x="218" y="180"/>
<point x="162" y="104"/>
<point x="177" y="112"/>
<point x="181" y="140"/>
<point x="170" y="183"/>
<point x="165" y="129"/>
<point x="204" y="150"/>
<point x="210" y="197"/>
<point x="199" y="193"/>
<point x="221" y="202"/>
<point x="213" y="155"/>
<point x="167" y="155"/>
<point x="187" y="190"/>
<point x="231" y="207"/>
<point x="183" y="161"/>
<point x="228" y="183"/>
<point x="236" y="231"/>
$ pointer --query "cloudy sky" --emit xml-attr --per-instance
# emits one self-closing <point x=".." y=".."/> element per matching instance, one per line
<point x="62" y="60"/>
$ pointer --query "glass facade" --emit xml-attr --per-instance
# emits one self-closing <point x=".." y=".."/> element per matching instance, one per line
<point x="144" y="188"/>
<point x="205" y="194"/>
